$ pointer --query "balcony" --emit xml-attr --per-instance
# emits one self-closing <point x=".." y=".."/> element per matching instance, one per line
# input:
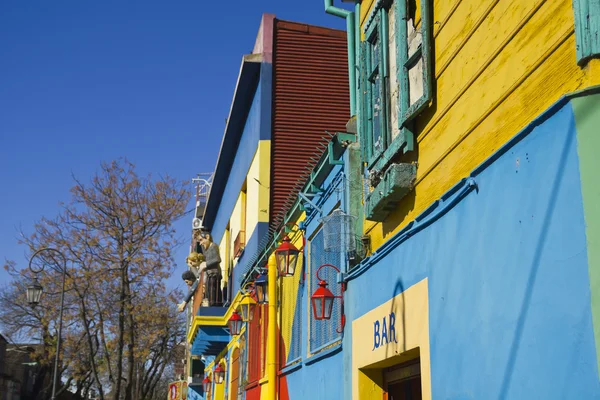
<point x="239" y="244"/>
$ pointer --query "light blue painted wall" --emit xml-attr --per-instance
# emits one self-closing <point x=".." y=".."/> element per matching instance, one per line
<point x="509" y="297"/>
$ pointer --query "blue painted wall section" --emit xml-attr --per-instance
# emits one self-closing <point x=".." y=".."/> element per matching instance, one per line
<point x="509" y="292"/>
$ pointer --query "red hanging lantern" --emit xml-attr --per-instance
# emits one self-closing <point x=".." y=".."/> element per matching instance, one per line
<point x="206" y="384"/>
<point x="322" y="301"/>
<point x="219" y="374"/>
<point x="235" y="323"/>
<point x="286" y="256"/>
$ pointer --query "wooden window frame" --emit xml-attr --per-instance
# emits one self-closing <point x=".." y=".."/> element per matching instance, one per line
<point x="587" y="28"/>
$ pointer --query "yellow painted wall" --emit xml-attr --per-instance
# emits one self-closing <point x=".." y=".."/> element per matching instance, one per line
<point x="236" y="222"/>
<point x="498" y="65"/>
<point x="258" y="184"/>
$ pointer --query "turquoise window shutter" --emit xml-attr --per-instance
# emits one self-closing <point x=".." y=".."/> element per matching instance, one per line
<point x="364" y="101"/>
<point x="587" y="29"/>
<point x="414" y="56"/>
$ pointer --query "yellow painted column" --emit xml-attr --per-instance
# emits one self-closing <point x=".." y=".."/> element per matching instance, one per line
<point x="272" y="332"/>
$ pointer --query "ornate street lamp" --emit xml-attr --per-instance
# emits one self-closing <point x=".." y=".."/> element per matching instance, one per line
<point x="286" y="256"/>
<point x="34" y="292"/>
<point x="261" y="283"/>
<point x="235" y="323"/>
<point x="219" y="374"/>
<point x="206" y="384"/>
<point x="322" y="300"/>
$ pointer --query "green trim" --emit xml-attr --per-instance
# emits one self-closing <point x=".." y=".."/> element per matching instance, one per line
<point x="587" y="119"/>
<point x="587" y="29"/>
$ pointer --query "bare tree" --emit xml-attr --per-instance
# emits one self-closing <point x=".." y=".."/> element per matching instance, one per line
<point x="117" y="235"/>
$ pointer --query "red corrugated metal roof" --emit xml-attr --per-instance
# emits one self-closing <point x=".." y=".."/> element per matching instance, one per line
<point x="310" y="98"/>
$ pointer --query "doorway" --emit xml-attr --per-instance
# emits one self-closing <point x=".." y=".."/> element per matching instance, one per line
<point x="403" y="382"/>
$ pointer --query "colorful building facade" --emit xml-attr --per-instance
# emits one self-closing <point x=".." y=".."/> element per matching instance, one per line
<point x="455" y="218"/>
<point x="291" y="92"/>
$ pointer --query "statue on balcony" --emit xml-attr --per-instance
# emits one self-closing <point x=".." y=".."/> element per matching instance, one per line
<point x="194" y="261"/>
<point x="190" y="279"/>
<point x="212" y="269"/>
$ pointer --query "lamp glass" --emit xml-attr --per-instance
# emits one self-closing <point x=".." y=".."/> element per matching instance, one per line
<point x="34" y="293"/>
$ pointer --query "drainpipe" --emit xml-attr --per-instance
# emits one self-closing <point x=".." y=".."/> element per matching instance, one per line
<point x="350" y="34"/>
<point x="272" y="329"/>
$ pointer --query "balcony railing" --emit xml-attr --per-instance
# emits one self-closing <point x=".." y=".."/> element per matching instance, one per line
<point x="239" y="244"/>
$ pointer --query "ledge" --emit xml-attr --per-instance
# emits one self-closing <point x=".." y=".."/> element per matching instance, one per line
<point x="324" y="354"/>
<point x="291" y="368"/>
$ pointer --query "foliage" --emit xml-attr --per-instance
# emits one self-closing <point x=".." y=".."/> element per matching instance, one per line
<point x="120" y="322"/>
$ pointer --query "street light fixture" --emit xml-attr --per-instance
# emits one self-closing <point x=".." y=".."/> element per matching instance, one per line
<point x="261" y="284"/>
<point x="322" y="300"/>
<point x="34" y="293"/>
<point x="219" y="374"/>
<point x="235" y="323"/>
<point x="286" y="256"/>
<point x="247" y="305"/>
<point x="206" y="384"/>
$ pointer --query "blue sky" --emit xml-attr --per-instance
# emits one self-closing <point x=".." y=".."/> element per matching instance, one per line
<point x="86" y="81"/>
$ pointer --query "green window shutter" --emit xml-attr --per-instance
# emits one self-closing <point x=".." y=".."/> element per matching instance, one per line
<point x="364" y="102"/>
<point x="412" y="57"/>
<point x="587" y="29"/>
<point x="376" y="41"/>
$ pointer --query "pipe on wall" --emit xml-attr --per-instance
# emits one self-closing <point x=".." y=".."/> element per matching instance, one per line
<point x="272" y="329"/>
<point x="351" y="38"/>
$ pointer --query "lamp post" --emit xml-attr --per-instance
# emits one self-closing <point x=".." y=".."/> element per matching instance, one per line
<point x="34" y="293"/>
<point x="322" y="300"/>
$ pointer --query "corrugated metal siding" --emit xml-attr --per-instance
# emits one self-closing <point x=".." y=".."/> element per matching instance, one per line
<point x="311" y="98"/>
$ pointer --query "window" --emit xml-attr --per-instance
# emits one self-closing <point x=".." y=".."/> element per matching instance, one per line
<point x="375" y="81"/>
<point x="323" y="334"/>
<point x="394" y="89"/>
<point x="587" y="26"/>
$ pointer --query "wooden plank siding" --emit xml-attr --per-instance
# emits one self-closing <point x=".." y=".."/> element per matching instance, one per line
<point x="498" y="65"/>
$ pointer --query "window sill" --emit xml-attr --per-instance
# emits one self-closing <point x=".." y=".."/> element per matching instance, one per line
<point x="288" y="369"/>
<point x="264" y="380"/>
<point x="397" y="182"/>
<point x="323" y="354"/>
<point x="251" y="385"/>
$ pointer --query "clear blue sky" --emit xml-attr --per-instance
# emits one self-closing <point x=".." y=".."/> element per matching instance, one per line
<point x="85" y="81"/>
